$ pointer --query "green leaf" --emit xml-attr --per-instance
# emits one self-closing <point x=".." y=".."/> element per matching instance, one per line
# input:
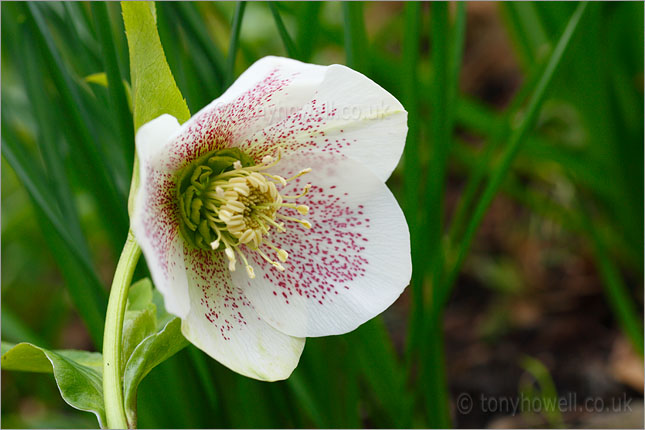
<point x="140" y="295"/>
<point x="77" y="373"/>
<point x="154" y="89"/>
<point x="140" y="319"/>
<point x="154" y="350"/>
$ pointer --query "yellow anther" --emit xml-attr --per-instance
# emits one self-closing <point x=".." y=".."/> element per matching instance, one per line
<point x="231" y="195"/>
<point x="300" y="173"/>
<point x="283" y="255"/>
<point x="305" y="190"/>
<point x="242" y="189"/>
<point x="240" y="206"/>
<point x="247" y="236"/>
<point x="225" y="215"/>
<point x="231" y="258"/>
<point x="235" y="206"/>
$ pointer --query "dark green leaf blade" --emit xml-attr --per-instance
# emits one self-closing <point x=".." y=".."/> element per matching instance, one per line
<point x="154" y="350"/>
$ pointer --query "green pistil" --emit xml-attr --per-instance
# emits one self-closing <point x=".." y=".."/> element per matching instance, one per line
<point x="196" y="197"/>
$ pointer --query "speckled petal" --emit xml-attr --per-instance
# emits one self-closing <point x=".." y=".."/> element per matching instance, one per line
<point x="283" y="104"/>
<point x="223" y="323"/>
<point x="349" y="114"/>
<point x="350" y="266"/>
<point x="154" y="219"/>
<point x="263" y="95"/>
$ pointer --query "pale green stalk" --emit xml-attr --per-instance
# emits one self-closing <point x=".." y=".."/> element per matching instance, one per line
<point x="113" y="335"/>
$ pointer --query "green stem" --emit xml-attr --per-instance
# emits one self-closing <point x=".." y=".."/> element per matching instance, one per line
<point x="113" y="338"/>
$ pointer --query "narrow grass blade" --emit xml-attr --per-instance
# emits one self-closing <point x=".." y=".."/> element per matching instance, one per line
<point x="379" y="365"/>
<point x="47" y="140"/>
<point x="200" y="363"/>
<point x="172" y="38"/>
<point x="85" y="289"/>
<point x="511" y="150"/>
<point x="356" y="49"/>
<point x="307" y="34"/>
<point x="305" y="398"/>
<point x="619" y="298"/>
<point x="431" y="230"/>
<point x="20" y="161"/>
<point x="284" y="34"/>
<point x="529" y="33"/>
<point x="235" y="37"/>
<point x="441" y="132"/>
<point x="195" y="29"/>
<point x="411" y="160"/>
<point x="99" y="178"/>
<point x="116" y="89"/>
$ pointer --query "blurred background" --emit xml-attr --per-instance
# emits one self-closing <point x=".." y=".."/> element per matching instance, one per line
<point x="525" y="207"/>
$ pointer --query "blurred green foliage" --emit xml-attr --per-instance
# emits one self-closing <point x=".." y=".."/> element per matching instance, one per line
<point x="568" y="147"/>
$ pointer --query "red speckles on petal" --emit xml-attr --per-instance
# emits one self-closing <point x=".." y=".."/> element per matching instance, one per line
<point x="223" y="305"/>
<point x="344" y="270"/>
<point x="221" y="125"/>
<point x="302" y="130"/>
<point x="158" y="216"/>
<point x="321" y="259"/>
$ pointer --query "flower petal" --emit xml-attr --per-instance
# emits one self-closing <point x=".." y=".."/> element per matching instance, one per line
<point x="154" y="218"/>
<point x="279" y="103"/>
<point x="258" y="98"/>
<point x="223" y="323"/>
<point x="349" y="114"/>
<point x="350" y="266"/>
<point x="153" y="137"/>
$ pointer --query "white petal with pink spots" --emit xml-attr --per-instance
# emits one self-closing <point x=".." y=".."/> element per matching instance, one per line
<point x="351" y="265"/>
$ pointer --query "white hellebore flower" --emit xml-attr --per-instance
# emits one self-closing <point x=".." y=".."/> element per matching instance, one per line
<point x="265" y="218"/>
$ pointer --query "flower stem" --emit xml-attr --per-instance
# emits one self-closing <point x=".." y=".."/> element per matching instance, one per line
<point x="112" y="338"/>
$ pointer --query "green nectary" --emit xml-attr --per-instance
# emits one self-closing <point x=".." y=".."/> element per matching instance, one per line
<point x="195" y="196"/>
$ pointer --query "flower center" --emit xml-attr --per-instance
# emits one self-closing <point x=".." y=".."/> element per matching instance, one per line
<point x="225" y="200"/>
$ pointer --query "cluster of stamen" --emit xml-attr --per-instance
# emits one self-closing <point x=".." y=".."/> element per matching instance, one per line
<point x="225" y="201"/>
